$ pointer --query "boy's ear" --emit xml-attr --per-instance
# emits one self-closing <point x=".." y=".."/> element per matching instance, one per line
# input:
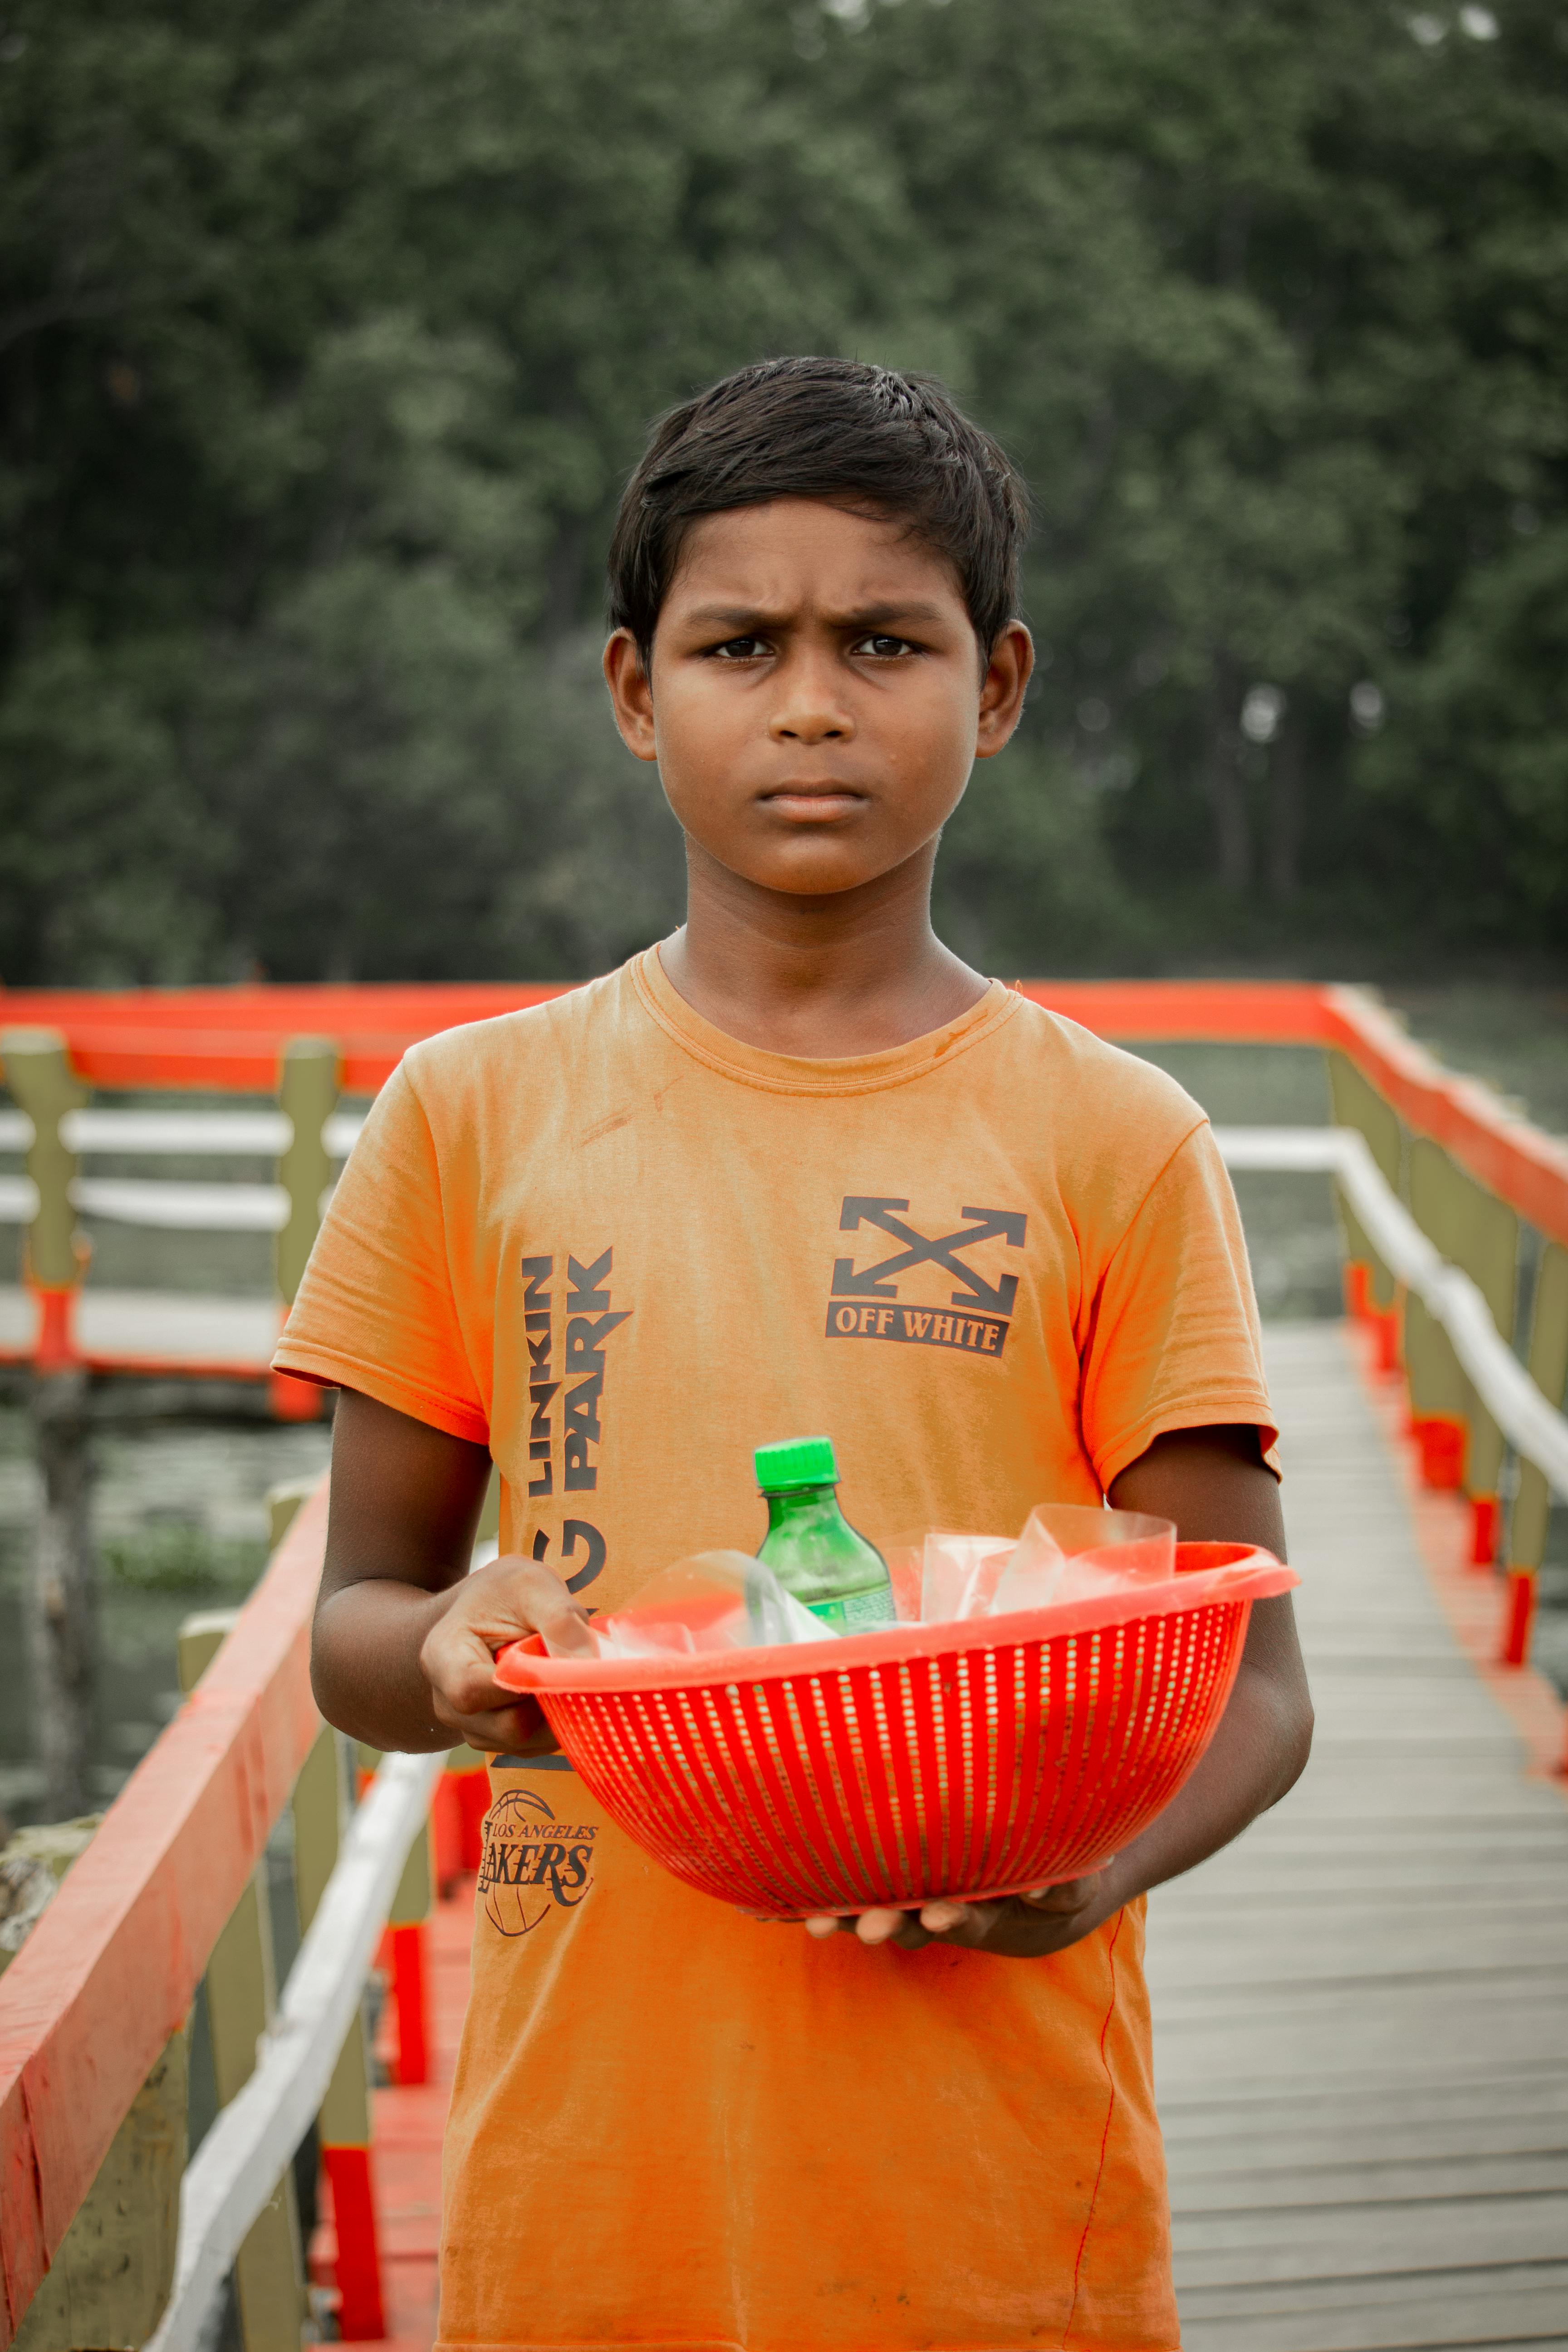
<point x="1003" y="689"/>
<point x="631" y="692"/>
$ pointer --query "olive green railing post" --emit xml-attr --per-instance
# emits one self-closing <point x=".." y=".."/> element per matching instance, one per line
<point x="1461" y="1445"/>
<point x="283" y="1503"/>
<point x="241" y="1994"/>
<point x="1547" y="1363"/>
<point x="44" y="1084"/>
<point x="307" y="1095"/>
<point x="62" y="1616"/>
<point x="1372" y="1291"/>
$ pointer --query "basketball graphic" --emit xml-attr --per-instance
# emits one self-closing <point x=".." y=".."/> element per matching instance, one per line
<point x="532" y="1861"/>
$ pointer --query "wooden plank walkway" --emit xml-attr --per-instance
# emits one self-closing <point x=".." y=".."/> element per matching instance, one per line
<point x="408" y="2122"/>
<point x="1361" y="2007"/>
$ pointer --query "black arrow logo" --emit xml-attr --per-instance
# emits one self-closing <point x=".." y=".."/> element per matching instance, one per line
<point x="876" y="1281"/>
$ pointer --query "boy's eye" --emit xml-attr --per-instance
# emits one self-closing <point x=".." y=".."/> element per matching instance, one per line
<point x="739" y="649"/>
<point x="883" y="648"/>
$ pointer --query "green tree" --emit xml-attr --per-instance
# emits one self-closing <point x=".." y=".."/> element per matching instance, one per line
<point x="1261" y="296"/>
<point x="329" y="332"/>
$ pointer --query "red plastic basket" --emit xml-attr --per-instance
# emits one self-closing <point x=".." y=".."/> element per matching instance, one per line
<point x="967" y="1760"/>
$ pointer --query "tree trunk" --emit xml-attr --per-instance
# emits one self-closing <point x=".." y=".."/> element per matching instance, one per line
<point x="1285" y="766"/>
<point x="64" y="1627"/>
<point x="1226" y="788"/>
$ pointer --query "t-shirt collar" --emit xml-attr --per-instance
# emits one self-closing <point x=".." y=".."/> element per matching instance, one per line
<point x="798" y="1074"/>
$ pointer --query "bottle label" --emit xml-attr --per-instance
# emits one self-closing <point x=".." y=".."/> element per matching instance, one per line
<point x="859" y="1612"/>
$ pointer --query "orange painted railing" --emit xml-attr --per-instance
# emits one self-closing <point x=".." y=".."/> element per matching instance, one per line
<point x="230" y="1040"/>
<point x="109" y="1971"/>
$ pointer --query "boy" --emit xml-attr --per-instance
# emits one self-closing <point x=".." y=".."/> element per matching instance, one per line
<point x="607" y="1243"/>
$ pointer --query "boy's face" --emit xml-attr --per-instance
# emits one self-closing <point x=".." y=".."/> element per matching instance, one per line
<point x="817" y="698"/>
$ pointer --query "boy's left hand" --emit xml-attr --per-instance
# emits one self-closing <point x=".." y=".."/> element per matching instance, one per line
<point x="1014" y="1927"/>
<point x="1213" y="1483"/>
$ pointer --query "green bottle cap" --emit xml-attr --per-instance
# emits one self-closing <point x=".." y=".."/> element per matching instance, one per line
<point x="797" y="1462"/>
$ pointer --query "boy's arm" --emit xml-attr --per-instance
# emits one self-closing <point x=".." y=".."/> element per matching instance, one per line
<point x="402" y="1648"/>
<point x="1213" y="1483"/>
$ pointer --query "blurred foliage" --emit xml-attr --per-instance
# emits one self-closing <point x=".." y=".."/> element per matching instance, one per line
<point x="172" y="1556"/>
<point x="329" y="332"/>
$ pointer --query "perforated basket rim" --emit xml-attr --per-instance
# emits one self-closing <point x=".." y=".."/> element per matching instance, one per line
<point x="1206" y="1574"/>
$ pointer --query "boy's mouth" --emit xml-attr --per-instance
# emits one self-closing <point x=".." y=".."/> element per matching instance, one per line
<point x="814" y="802"/>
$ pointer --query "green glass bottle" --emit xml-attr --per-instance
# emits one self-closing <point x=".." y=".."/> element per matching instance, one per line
<point x="810" y="1546"/>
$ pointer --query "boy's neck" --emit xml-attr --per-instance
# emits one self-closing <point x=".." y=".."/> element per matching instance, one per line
<point x="855" y="973"/>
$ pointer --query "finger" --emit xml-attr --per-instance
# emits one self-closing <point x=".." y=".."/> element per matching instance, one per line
<point x="1069" y="1895"/>
<point x="973" y="1927"/>
<point x="458" y="1663"/>
<point x="502" y="1731"/>
<point x="822" y="1925"/>
<point x="507" y="1601"/>
<point x="879" y="1927"/>
<point x="463" y="1691"/>
<point x="945" y="1914"/>
<point x="459" y="1656"/>
<point x="566" y="1632"/>
<point x="522" y="1596"/>
<point x="459" y="1700"/>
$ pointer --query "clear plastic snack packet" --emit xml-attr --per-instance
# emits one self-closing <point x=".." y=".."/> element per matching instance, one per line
<point x="727" y="1600"/>
<point x="1071" y="1551"/>
<point x="959" y="1575"/>
<point x="1032" y="1573"/>
<point x="714" y="1600"/>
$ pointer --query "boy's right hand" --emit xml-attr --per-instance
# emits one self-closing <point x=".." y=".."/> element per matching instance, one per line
<point x="504" y="1601"/>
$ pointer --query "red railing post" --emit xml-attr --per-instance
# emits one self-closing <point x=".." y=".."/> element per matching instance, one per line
<point x="410" y="1992"/>
<point x="1486" y="1523"/>
<point x="1519" y="1616"/>
<point x="446" y="1834"/>
<point x="403" y="1953"/>
<point x="360" y="2315"/>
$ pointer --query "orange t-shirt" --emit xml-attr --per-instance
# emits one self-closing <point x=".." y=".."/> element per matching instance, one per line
<point x="623" y="1249"/>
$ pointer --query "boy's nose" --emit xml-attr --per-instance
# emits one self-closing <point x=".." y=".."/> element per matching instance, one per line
<point x="809" y="710"/>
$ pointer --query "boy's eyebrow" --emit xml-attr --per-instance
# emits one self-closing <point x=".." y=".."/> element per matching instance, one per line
<point x="866" y="616"/>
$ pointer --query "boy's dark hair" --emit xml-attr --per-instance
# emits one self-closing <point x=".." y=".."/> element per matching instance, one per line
<point x="857" y="437"/>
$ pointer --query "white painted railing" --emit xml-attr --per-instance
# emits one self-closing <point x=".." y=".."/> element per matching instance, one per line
<point x="1527" y="1420"/>
<point x="238" y="2165"/>
<point x="183" y="1208"/>
<point x="187" y="1206"/>
<point x="225" y="1134"/>
<point x="1283" y="1150"/>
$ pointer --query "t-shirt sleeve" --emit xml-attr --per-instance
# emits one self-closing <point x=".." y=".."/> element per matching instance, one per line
<point x="376" y="1310"/>
<point x="1174" y="1339"/>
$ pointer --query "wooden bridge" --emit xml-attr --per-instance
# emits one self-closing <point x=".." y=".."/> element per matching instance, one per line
<point x="1362" y="2007"/>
